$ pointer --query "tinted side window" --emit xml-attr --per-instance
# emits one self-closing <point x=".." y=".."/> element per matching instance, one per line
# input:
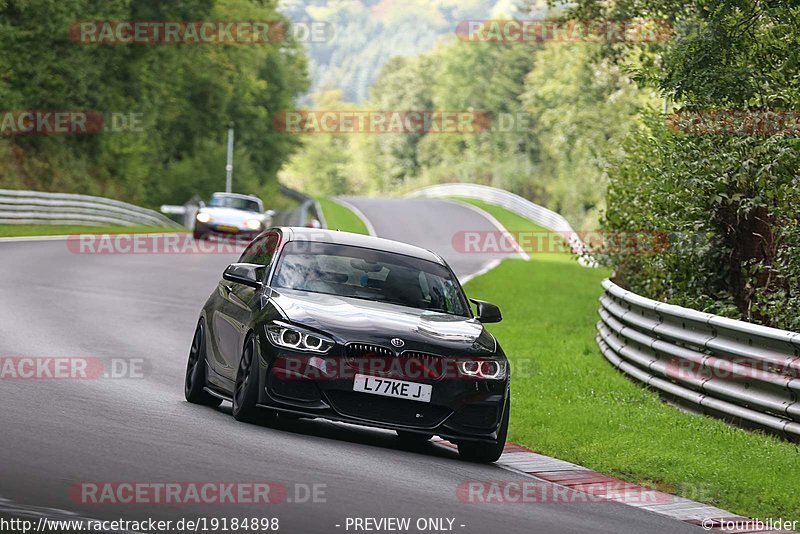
<point x="261" y="250"/>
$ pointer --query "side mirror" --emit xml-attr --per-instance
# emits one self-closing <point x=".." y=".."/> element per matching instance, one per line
<point x="244" y="273"/>
<point x="487" y="312"/>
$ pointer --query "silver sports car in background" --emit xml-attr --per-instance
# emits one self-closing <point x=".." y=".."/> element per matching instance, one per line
<point x="231" y="214"/>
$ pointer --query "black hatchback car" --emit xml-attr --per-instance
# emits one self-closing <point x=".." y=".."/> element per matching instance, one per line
<point x="320" y="323"/>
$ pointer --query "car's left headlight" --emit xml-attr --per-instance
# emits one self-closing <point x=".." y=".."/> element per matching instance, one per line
<point x="253" y="224"/>
<point x="203" y="217"/>
<point x="291" y="338"/>
<point x="486" y="369"/>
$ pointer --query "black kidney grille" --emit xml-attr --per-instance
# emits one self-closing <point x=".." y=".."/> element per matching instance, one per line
<point x="422" y="365"/>
<point x="356" y="350"/>
<point x="380" y="361"/>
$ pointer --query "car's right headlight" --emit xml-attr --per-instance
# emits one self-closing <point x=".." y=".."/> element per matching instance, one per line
<point x="486" y="369"/>
<point x="203" y="217"/>
<point x="291" y="338"/>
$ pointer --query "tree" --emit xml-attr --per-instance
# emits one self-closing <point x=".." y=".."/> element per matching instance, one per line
<point x="185" y="95"/>
<point x="725" y="194"/>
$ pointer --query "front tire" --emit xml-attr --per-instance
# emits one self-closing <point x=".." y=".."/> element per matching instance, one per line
<point x="245" y="390"/>
<point x="195" y="381"/>
<point x="487" y="452"/>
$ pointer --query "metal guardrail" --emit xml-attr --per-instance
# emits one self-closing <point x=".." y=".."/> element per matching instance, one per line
<point x="299" y="215"/>
<point x="523" y="207"/>
<point x="185" y="212"/>
<point x="739" y="371"/>
<point x="34" y="207"/>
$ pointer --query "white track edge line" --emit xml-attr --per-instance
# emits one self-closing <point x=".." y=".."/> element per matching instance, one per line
<point x="488" y="267"/>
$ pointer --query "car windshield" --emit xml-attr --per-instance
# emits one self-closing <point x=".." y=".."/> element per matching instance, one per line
<point x="222" y="201"/>
<point x="369" y="274"/>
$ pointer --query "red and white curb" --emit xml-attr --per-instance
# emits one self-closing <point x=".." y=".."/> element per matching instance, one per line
<point x="598" y="486"/>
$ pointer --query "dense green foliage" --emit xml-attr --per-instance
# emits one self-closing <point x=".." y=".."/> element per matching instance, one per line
<point x="365" y="34"/>
<point x="556" y="118"/>
<point x="184" y="94"/>
<point x="577" y="127"/>
<point x="592" y="136"/>
<point x="725" y="196"/>
<point x="728" y="207"/>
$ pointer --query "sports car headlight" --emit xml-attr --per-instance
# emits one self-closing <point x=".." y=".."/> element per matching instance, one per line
<point x="290" y="338"/>
<point x="488" y="369"/>
<point x="203" y="217"/>
<point x="253" y="224"/>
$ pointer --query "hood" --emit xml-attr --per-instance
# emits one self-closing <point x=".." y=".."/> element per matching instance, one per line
<point x="231" y="216"/>
<point x="354" y="320"/>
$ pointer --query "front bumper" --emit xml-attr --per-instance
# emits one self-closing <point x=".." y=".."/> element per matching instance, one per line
<point x="461" y="409"/>
<point x="225" y="230"/>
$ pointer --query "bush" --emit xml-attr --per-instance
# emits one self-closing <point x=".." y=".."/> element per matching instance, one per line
<point x="727" y="205"/>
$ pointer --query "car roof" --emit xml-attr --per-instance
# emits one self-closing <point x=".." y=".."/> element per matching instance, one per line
<point x="297" y="233"/>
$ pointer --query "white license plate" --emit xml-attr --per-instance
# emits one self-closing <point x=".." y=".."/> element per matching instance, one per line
<point x="389" y="387"/>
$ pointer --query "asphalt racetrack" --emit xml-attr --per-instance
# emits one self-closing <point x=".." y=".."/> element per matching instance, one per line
<point x="56" y="434"/>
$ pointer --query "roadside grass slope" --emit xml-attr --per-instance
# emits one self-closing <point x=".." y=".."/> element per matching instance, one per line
<point x="570" y="403"/>
<point x="342" y="218"/>
<point x="23" y="230"/>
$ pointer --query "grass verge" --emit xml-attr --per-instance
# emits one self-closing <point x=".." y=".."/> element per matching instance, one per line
<point x="509" y="219"/>
<point x="533" y="239"/>
<point x="341" y="217"/>
<point x="568" y="402"/>
<point x="22" y="230"/>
